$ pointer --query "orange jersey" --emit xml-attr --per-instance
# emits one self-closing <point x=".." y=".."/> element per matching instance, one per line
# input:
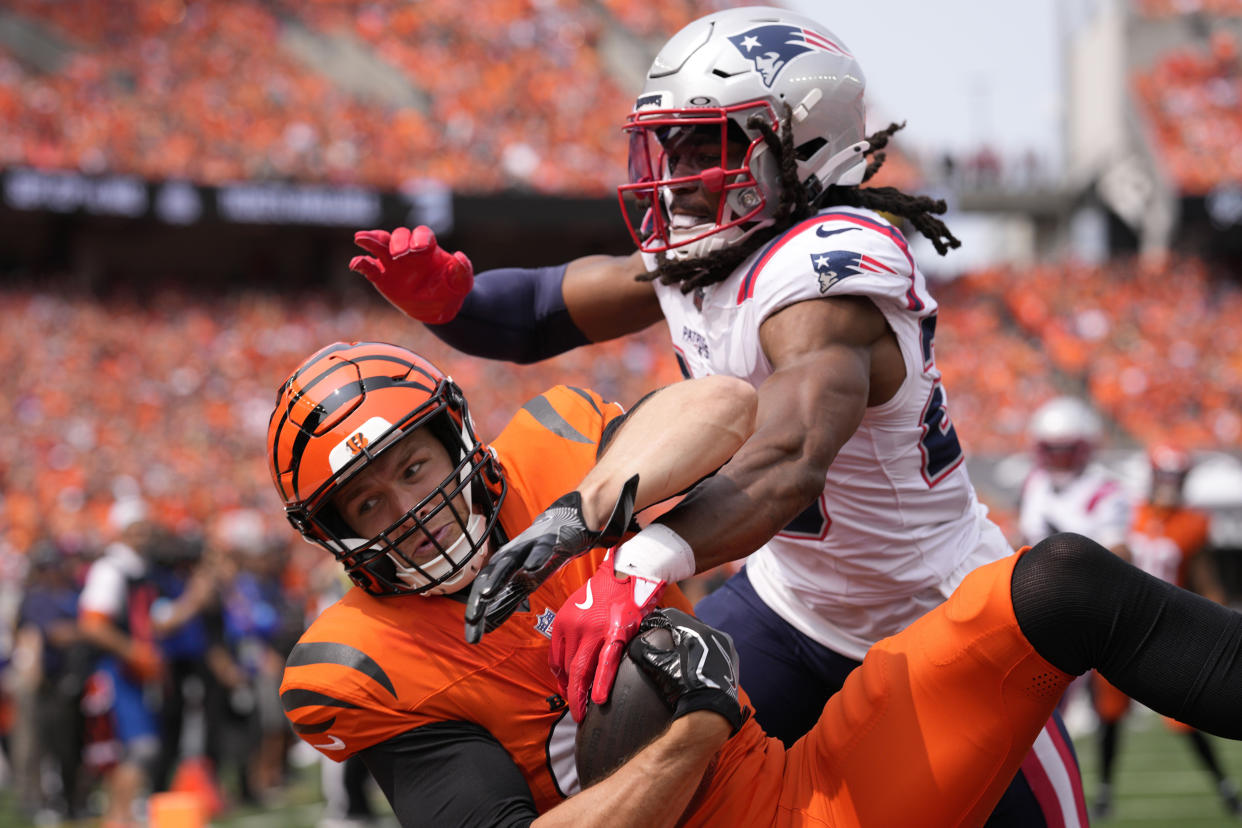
<point x="1164" y="541"/>
<point x="370" y="669"/>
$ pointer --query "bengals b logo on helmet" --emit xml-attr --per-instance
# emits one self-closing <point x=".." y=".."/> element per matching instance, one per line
<point x="357" y="443"/>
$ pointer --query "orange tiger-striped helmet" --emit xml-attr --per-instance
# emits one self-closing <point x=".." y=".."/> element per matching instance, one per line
<point x="341" y="410"/>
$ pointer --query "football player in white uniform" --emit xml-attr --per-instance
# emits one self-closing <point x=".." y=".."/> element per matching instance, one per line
<point x="771" y="263"/>
<point x="1066" y="491"/>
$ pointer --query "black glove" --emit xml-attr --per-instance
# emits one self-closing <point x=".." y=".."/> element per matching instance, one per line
<point x="699" y="672"/>
<point x="517" y="569"/>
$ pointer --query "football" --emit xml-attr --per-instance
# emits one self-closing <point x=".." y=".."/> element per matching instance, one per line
<point x="634" y="714"/>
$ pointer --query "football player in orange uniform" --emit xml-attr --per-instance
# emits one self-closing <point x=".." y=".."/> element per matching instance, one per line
<point x="1169" y="540"/>
<point x="372" y="450"/>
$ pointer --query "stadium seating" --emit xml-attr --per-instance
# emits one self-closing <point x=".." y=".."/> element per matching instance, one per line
<point x="516" y="94"/>
<point x="1192" y="100"/>
<point x="1152" y="341"/>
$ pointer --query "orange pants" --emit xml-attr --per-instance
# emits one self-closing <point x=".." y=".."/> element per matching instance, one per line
<point x="933" y="726"/>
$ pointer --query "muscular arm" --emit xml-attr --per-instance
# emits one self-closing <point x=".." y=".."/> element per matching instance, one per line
<point x="457" y="774"/>
<point x="604" y="299"/>
<point x="831" y="358"/>
<point x="677" y="436"/>
<point x="653" y="788"/>
<point x="529" y="314"/>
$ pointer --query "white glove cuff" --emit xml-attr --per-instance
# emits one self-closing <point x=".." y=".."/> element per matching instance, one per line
<point x="656" y="552"/>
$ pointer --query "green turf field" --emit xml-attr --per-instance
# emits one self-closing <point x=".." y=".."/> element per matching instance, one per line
<point x="1158" y="782"/>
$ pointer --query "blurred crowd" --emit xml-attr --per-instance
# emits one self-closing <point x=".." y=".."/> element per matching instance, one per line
<point x="1192" y="100"/>
<point x="1150" y="342"/>
<point x="527" y="94"/>
<point x="162" y="89"/>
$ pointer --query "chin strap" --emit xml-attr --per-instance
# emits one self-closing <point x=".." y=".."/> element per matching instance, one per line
<point x="851" y="176"/>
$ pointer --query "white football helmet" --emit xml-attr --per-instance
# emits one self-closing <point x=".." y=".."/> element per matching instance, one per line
<point x="713" y="76"/>
<point x="1170" y="466"/>
<point x="1064" y="432"/>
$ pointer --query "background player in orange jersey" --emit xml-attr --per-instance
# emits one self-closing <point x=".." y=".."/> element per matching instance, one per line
<point x="373" y="452"/>
<point x="1169" y="540"/>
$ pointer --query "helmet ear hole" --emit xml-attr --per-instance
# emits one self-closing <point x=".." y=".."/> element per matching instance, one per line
<point x="805" y="150"/>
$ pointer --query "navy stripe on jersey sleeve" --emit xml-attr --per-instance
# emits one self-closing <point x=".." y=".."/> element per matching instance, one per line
<point x="450" y="774"/>
<point x="514" y="314"/>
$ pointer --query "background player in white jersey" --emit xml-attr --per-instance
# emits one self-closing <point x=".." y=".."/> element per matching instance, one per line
<point x="770" y="263"/>
<point x="1066" y="490"/>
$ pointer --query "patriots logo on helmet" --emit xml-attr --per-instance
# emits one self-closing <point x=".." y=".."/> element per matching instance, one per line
<point x="836" y="265"/>
<point x="773" y="45"/>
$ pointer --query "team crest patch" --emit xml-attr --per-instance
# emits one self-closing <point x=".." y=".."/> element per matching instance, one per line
<point x="543" y="624"/>
<point x="835" y="265"/>
<point x="772" y="46"/>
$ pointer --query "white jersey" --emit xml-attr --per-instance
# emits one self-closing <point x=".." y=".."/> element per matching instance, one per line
<point x="107" y="580"/>
<point x="898" y="525"/>
<point x="1094" y="504"/>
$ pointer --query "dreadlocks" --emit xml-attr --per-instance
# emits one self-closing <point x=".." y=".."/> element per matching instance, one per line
<point x="921" y="211"/>
<point x="796" y="204"/>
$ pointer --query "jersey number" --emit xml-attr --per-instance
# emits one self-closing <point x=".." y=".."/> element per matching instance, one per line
<point x="813" y="523"/>
<point x="939" y="445"/>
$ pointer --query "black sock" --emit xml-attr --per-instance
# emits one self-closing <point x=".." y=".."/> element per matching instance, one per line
<point x="1203" y="749"/>
<point x="1180" y="654"/>
<point x="1109" y="731"/>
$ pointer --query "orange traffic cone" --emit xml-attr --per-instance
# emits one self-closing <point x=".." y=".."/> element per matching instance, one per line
<point x="195" y="776"/>
<point x="176" y="809"/>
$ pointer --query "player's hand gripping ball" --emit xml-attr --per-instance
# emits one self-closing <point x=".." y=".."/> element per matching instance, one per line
<point x="633" y="716"/>
<point x="676" y="665"/>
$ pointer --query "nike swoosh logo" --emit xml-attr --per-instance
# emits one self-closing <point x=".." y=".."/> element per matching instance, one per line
<point x="823" y="234"/>
<point x="335" y="744"/>
<point x="590" y="599"/>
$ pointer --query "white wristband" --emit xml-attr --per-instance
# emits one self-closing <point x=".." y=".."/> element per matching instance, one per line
<point x="656" y="552"/>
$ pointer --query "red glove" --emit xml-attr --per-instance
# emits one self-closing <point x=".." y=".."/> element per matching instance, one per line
<point x="419" y="277"/>
<point x="592" y="630"/>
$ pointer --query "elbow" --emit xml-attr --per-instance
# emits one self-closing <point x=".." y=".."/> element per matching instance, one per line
<point x="795" y="478"/>
<point x="803" y="486"/>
